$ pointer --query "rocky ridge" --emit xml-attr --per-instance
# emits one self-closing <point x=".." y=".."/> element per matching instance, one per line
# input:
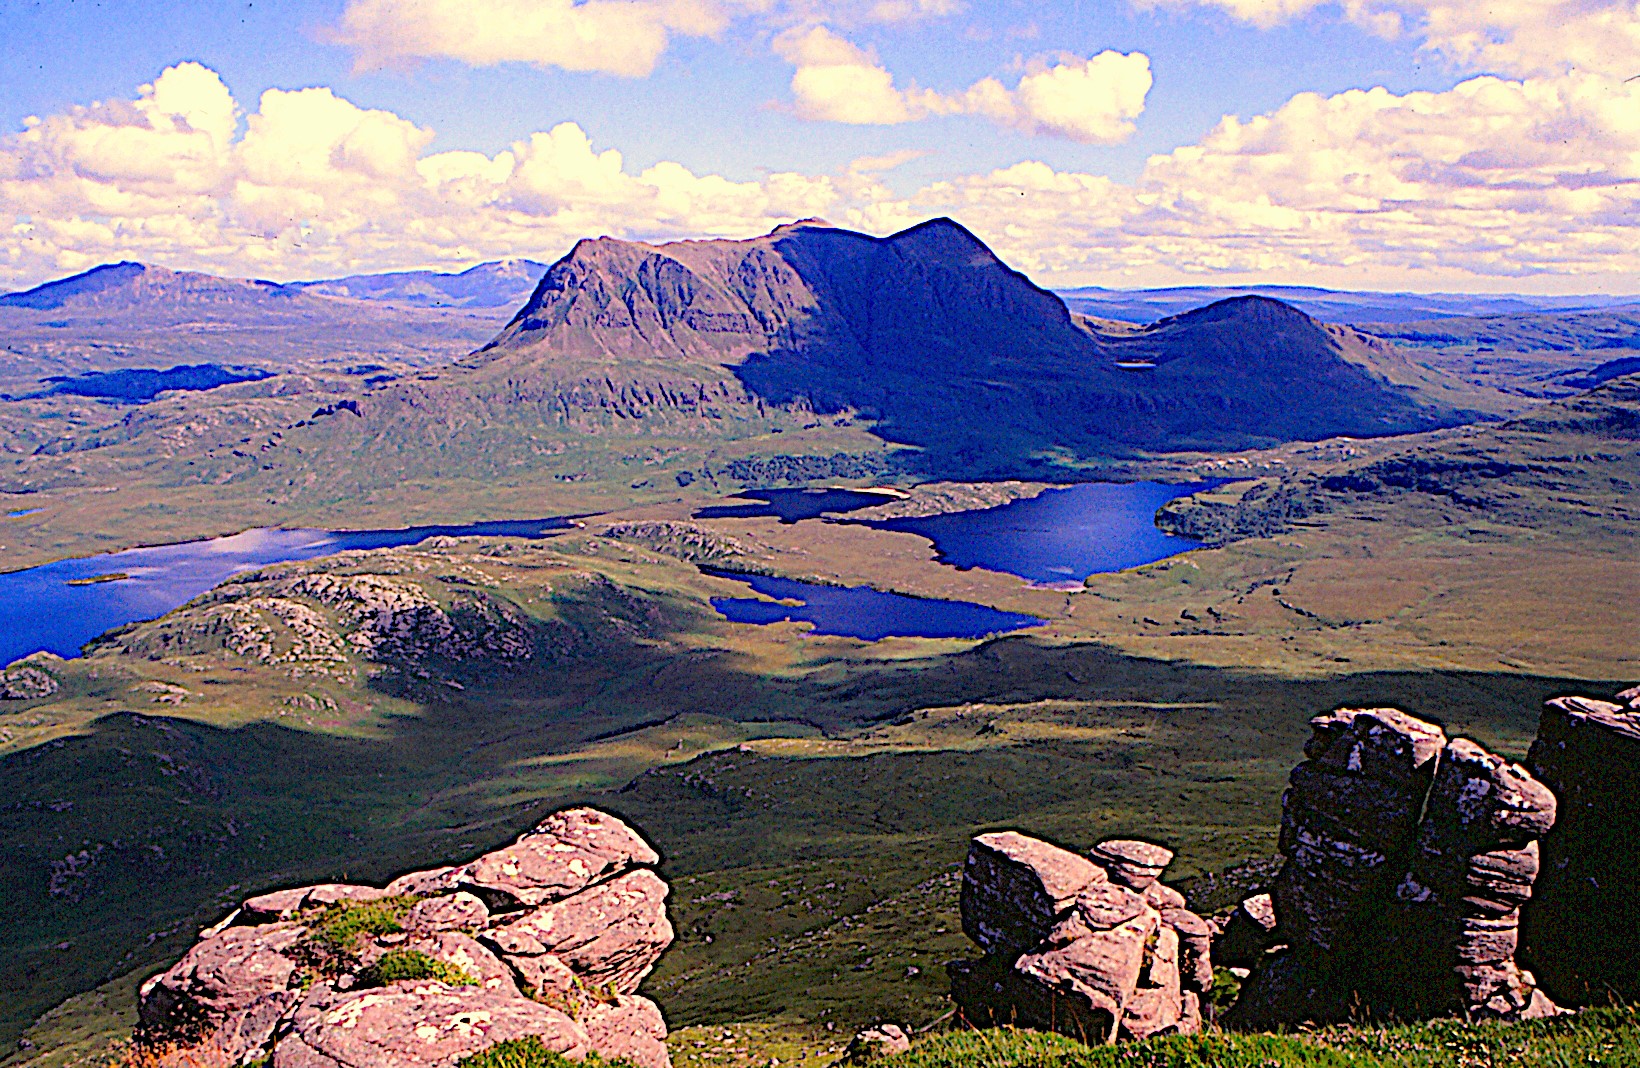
<point x="1412" y="865"/>
<point x="548" y="937"/>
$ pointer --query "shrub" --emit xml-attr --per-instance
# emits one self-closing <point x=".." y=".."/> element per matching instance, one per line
<point x="402" y="964"/>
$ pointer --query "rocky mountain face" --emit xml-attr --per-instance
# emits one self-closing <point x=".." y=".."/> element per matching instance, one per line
<point x="547" y="938"/>
<point x="943" y="346"/>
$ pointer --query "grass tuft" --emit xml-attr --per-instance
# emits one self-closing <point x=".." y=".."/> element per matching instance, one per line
<point x="404" y="964"/>
<point x="339" y="926"/>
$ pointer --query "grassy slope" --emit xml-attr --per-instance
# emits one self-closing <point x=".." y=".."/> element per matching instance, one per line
<point x="842" y="779"/>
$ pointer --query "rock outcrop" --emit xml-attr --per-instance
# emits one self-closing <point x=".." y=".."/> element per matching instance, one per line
<point x="1086" y="946"/>
<point x="26" y="682"/>
<point x="1582" y="930"/>
<point x="1408" y="859"/>
<point x="550" y="936"/>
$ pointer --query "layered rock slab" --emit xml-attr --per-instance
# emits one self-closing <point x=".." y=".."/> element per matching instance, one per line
<point x="548" y="936"/>
<point x="1582" y="929"/>
<point x="1077" y="945"/>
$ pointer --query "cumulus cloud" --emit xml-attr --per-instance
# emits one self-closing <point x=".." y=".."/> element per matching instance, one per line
<point x="1091" y="100"/>
<point x="1493" y="181"/>
<point x="1504" y="36"/>
<point x="620" y="37"/>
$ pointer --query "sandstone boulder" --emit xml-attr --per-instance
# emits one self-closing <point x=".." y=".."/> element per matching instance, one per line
<point x="284" y="904"/>
<point x="409" y="1025"/>
<point x="1106" y="966"/>
<point x="629" y="1028"/>
<point x="1247" y="934"/>
<point x="388" y="997"/>
<point x="1015" y="888"/>
<point x="1349" y="825"/>
<point x="1131" y="863"/>
<point x="874" y="1042"/>
<point x="568" y="852"/>
<point x="232" y="988"/>
<point x="1581" y="932"/>
<point x="612" y="933"/>
<point x="1477" y="856"/>
<point x="1195" y="948"/>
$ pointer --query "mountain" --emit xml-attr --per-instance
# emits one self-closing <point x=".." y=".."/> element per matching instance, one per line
<point x="136" y="316"/>
<point x="942" y="346"/>
<point x="501" y="284"/>
<point x="1328" y="305"/>
<point x="127" y="285"/>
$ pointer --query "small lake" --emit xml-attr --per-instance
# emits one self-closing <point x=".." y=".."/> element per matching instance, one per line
<point x="1061" y="536"/>
<point x="795" y="505"/>
<point x="62" y="605"/>
<point x="862" y="612"/>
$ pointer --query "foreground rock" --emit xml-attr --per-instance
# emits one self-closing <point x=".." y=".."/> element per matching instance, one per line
<point x="1582" y="929"/>
<point x="1078" y="945"/>
<point x="1408" y="859"/>
<point x="550" y="936"/>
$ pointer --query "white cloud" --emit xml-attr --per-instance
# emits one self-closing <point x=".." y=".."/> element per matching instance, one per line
<point x="623" y="37"/>
<point x="1504" y="36"/>
<point x="1091" y="100"/>
<point x="1491" y="183"/>
<point x="620" y="37"/>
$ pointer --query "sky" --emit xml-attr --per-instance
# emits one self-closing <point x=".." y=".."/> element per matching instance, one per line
<point x="1456" y="145"/>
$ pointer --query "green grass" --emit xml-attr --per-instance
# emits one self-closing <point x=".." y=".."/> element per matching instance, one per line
<point x="531" y="1052"/>
<point x="402" y="964"/>
<point x="341" y="924"/>
<point x="1598" y="1037"/>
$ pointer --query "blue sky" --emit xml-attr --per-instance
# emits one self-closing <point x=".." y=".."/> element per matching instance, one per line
<point x="1118" y="186"/>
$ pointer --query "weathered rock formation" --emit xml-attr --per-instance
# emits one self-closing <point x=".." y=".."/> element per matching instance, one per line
<point x="26" y="682"/>
<point x="1408" y="858"/>
<point x="1582" y="929"/>
<point x="549" y="936"/>
<point x="1093" y="947"/>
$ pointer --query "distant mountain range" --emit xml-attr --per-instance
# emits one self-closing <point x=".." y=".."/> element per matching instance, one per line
<point x="127" y="285"/>
<point x="925" y="337"/>
<point x="1328" y="305"/>
<point x="502" y="284"/>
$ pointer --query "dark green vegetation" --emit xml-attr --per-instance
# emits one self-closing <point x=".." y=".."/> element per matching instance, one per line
<point x="1601" y="1037"/>
<point x="340" y="926"/>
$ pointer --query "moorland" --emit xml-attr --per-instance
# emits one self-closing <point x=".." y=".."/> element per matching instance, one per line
<point x="1431" y="513"/>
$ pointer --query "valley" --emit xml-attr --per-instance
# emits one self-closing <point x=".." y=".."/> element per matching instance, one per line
<point x="1371" y="524"/>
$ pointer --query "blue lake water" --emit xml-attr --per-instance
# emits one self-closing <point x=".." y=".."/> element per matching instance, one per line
<point x="795" y="505"/>
<point x="865" y="613"/>
<point x="1061" y="536"/>
<point x="39" y="610"/>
